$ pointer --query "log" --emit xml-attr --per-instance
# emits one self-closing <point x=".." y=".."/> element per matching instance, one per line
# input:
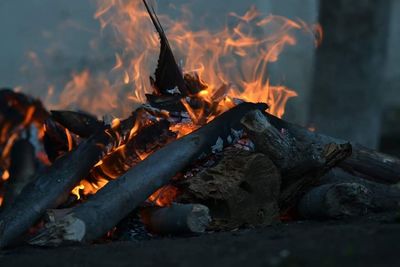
<point x="178" y="219"/>
<point x="365" y="162"/>
<point x="301" y="164"/>
<point x="22" y="168"/>
<point x="49" y="188"/>
<point x="335" y="201"/>
<point x="113" y="202"/>
<point x="384" y="197"/>
<point x="241" y="189"/>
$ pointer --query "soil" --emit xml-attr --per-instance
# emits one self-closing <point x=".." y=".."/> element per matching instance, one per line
<point x="369" y="241"/>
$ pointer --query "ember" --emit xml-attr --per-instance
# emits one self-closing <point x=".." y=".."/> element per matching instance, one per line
<point x="205" y="148"/>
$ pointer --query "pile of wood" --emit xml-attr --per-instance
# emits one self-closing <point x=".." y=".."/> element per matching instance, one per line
<point x="244" y="168"/>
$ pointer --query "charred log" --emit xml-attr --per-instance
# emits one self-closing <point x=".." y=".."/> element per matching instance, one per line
<point x="335" y="201"/>
<point x="365" y="162"/>
<point x="80" y="123"/>
<point x="301" y="164"/>
<point x="178" y="219"/>
<point x="384" y="197"/>
<point x="113" y="202"/>
<point x="22" y="168"/>
<point x="242" y="189"/>
<point x="49" y="188"/>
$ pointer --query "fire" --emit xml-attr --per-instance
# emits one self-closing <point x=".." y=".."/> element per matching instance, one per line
<point x="238" y="56"/>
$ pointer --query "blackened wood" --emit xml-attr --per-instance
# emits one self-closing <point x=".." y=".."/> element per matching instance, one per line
<point x="113" y="202"/>
<point x="177" y="219"/>
<point x="301" y="164"/>
<point x="365" y="162"/>
<point x="22" y="168"/>
<point x="241" y="189"/>
<point x="49" y="188"/>
<point x="335" y="201"/>
<point x="384" y="197"/>
<point x="168" y="75"/>
<point x="79" y="123"/>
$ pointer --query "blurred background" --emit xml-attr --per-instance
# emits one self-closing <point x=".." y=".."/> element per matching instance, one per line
<point x="348" y="87"/>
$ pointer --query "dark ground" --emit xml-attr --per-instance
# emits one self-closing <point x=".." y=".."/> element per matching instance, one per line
<point x="368" y="241"/>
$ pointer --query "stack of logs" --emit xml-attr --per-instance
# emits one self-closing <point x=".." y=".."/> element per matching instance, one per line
<point x="284" y="171"/>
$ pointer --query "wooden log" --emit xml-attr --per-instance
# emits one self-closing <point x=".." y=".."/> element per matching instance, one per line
<point x="49" y="188"/>
<point x="113" y="202"/>
<point x="241" y="189"/>
<point x="301" y="164"/>
<point x="22" y="168"/>
<point x="177" y="219"/>
<point x="384" y="197"/>
<point x="365" y="162"/>
<point x="335" y="201"/>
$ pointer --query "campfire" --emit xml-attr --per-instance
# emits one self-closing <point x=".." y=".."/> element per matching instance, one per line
<point x="205" y="149"/>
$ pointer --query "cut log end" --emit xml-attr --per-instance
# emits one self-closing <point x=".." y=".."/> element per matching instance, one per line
<point x="177" y="219"/>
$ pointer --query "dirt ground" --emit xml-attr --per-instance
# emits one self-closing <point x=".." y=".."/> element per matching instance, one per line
<point x="368" y="241"/>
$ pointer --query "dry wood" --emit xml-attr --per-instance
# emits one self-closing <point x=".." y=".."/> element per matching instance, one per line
<point x="177" y="219"/>
<point x="335" y="201"/>
<point x="301" y="164"/>
<point x="384" y="197"/>
<point x="22" y="169"/>
<point x="49" y="188"/>
<point x="242" y="189"/>
<point x="113" y="202"/>
<point x="364" y="162"/>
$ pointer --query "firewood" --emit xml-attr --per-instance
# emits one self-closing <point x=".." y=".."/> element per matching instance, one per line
<point x="50" y="188"/>
<point x="22" y="168"/>
<point x="177" y="219"/>
<point x="113" y="202"/>
<point x="242" y="189"/>
<point x="301" y="164"/>
<point x="79" y="123"/>
<point x="335" y="201"/>
<point x="384" y="197"/>
<point x="365" y="162"/>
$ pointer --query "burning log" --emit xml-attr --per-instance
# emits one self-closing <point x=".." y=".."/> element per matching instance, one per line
<point x="49" y="188"/>
<point x="79" y="123"/>
<point x="336" y="201"/>
<point x="365" y="162"/>
<point x="176" y="219"/>
<point x="113" y="202"/>
<point x="242" y="189"/>
<point x="22" y="168"/>
<point x="301" y="164"/>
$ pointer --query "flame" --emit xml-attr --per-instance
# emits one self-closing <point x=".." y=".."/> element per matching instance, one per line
<point x="236" y="55"/>
<point x="76" y="191"/>
<point x="5" y="175"/>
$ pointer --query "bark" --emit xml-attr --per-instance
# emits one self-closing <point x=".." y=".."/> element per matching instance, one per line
<point x="335" y="201"/>
<point x="49" y="188"/>
<point x="113" y="202"/>
<point x="177" y="219"/>
<point x="384" y="197"/>
<point x="241" y="189"/>
<point x="301" y="164"/>
<point x="368" y="163"/>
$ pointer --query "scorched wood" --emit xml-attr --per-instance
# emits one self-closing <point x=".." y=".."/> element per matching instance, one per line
<point x="363" y="161"/>
<point x="119" y="197"/>
<point x="49" y="188"/>
<point x="335" y="201"/>
<point x="177" y="219"/>
<point x="301" y="164"/>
